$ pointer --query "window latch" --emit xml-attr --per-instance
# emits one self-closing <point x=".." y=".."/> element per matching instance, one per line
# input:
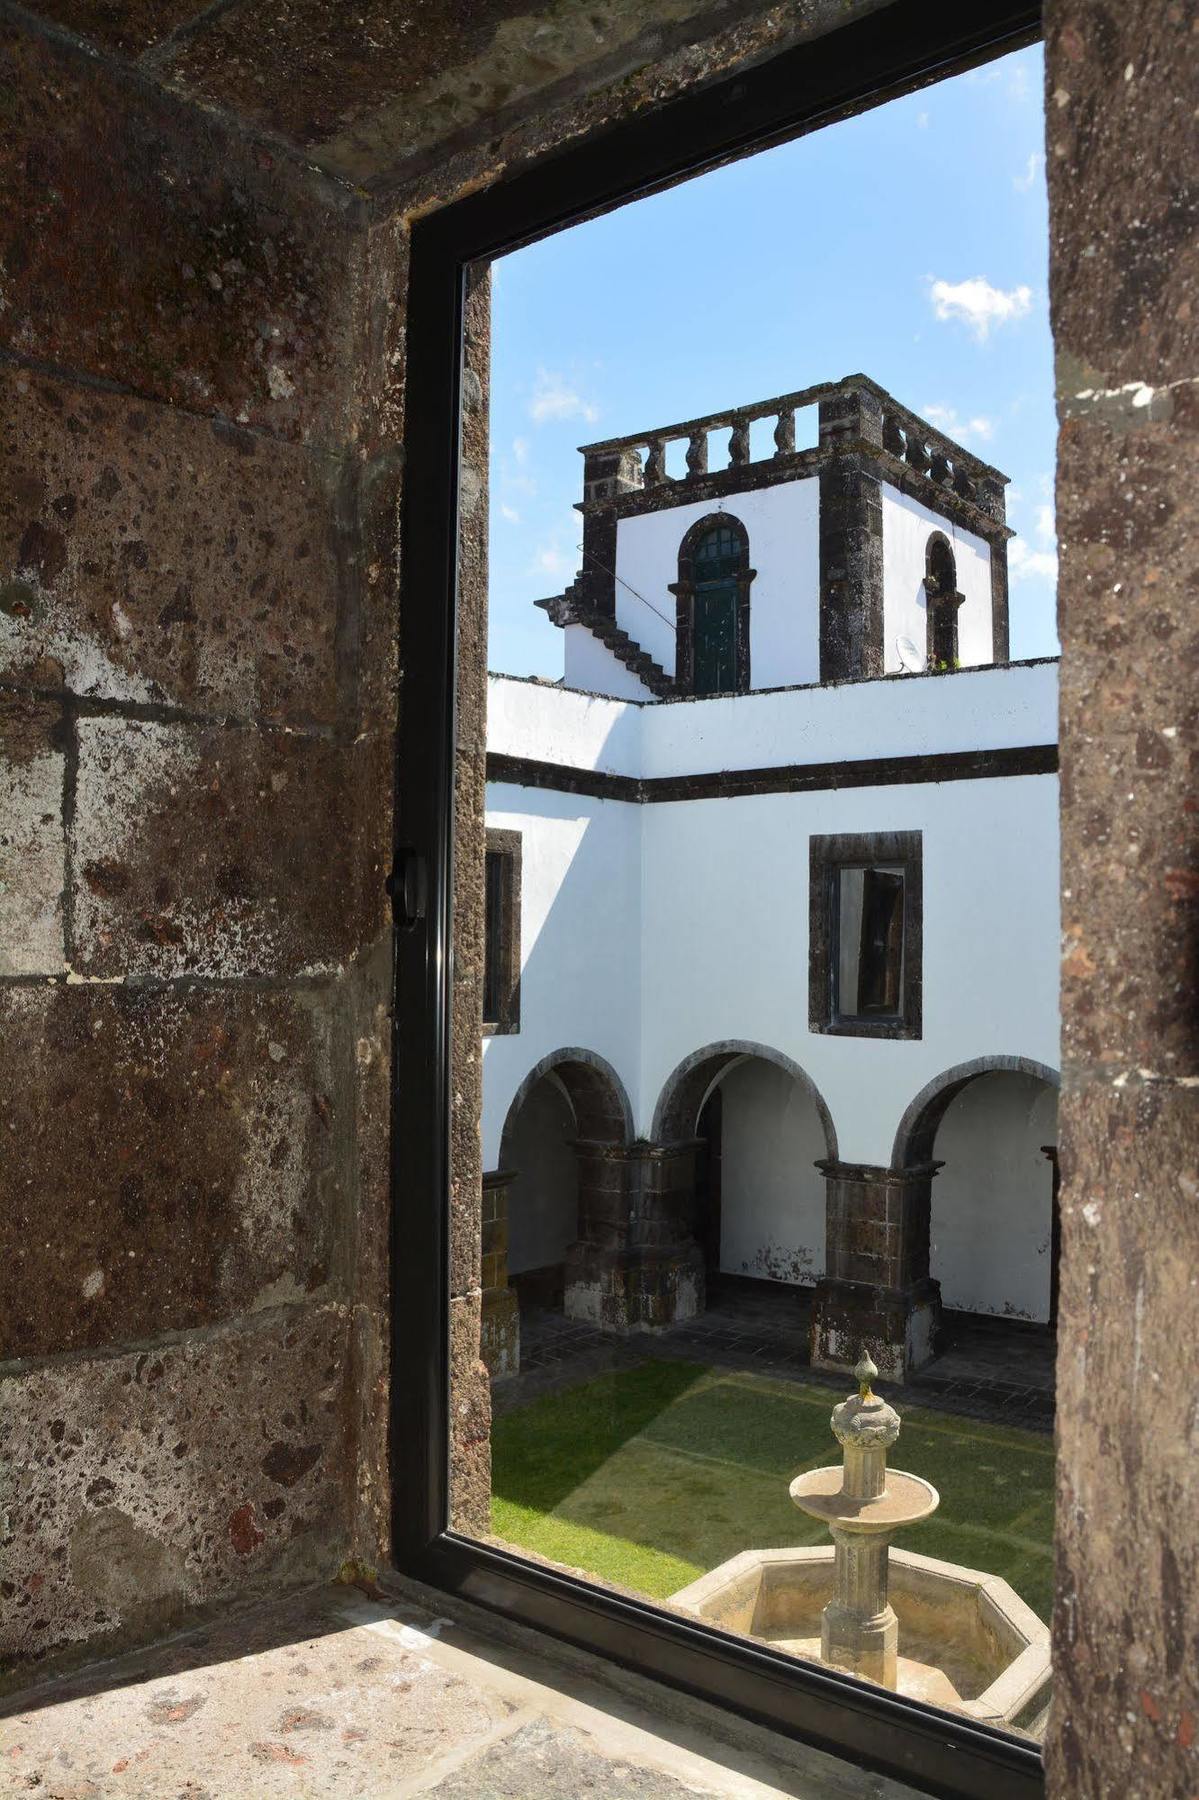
<point x="408" y="885"/>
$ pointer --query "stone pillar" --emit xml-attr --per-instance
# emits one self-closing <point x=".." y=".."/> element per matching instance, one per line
<point x="858" y="1627"/>
<point x="636" y="1266"/>
<point x="499" y="1331"/>
<point x="851" y="539"/>
<point x="876" y="1288"/>
<point x="606" y="474"/>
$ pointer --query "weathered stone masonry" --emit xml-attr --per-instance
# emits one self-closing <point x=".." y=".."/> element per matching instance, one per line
<point x="203" y="303"/>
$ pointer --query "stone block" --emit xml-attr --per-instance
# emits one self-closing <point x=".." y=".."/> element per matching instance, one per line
<point x="633" y="1290"/>
<point x="151" y="1482"/>
<point x="204" y="851"/>
<point x="169" y="1159"/>
<point x="151" y="244"/>
<point x="32" y="837"/>
<point x="1130" y="676"/>
<point x="499" y="1343"/>
<point x="150" y="555"/>
<point x="898" y="1325"/>
<point x="470" y="1420"/>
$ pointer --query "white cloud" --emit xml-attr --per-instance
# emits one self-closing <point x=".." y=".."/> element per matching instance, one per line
<point x="510" y="513"/>
<point x="1046" y="525"/>
<point x="549" y="560"/>
<point x="1022" y="183"/>
<point x="977" y="304"/>
<point x="520" y="449"/>
<point x="946" y="419"/>
<point x="922" y="121"/>
<point x="1031" y="565"/>
<point x="554" y="398"/>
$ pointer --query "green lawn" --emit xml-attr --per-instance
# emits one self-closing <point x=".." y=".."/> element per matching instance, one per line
<point x="652" y="1475"/>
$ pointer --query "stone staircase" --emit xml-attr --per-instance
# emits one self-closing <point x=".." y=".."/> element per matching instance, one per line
<point x="639" y="662"/>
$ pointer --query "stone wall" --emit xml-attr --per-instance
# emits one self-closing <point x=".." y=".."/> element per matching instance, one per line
<point x="196" y="709"/>
<point x="1120" y="90"/>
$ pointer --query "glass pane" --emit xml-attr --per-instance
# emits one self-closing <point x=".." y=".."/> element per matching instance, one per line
<point x="781" y="1084"/>
<point x="870" y="942"/>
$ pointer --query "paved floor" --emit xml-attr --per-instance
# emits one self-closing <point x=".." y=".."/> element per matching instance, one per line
<point x="990" y="1370"/>
<point x="335" y="1695"/>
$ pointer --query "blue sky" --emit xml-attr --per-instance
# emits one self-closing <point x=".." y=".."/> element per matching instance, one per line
<point x="910" y="243"/>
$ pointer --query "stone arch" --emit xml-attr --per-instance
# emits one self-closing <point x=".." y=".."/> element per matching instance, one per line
<point x="690" y="1083"/>
<point x="942" y="599"/>
<point x="594" y="1091"/>
<point x="690" y="574"/>
<point x="917" y="1131"/>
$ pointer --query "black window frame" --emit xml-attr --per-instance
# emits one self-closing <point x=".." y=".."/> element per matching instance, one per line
<point x="501" y="943"/>
<point x="888" y="52"/>
<point x="829" y="855"/>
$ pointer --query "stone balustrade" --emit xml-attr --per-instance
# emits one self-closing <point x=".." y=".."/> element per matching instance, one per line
<point x="855" y="409"/>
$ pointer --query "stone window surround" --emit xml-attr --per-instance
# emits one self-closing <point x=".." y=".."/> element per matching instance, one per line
<point x="936" y="601"/>
<point x="507" y="846"/>
<point x="684" y="593"/>
<point x="828" y="853"/>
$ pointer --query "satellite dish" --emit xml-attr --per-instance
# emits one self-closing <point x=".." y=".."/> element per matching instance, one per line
<point x="909" y="657"/>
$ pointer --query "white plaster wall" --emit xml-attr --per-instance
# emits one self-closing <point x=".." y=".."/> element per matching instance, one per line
<point x="783" y="523"/>
<point x="993" y="1201"/>
<point x="909" y="715"/>
<point x="772" y="1195"/>
<point x="592" y="667"/>
<point x="554" y="724"/>
<point x="543" y="1202"/>
<point x="731" y="963"/>
<point x="580" y="927"/>
<point x="907" y="526"/>
<point x="650" y="932"/>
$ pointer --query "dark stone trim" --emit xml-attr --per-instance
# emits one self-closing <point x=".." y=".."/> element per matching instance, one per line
<point x="688" y="1085"/>
<point x="684" y="594"/>
<point x="506" y="950"/>
<point x="725" y="484"/>
<point x="499" y="1178"/>
<point x="787" y="778"/>
<point x="828" y="852"/>
<point x="603" y="1113"/>
<point x="942" y="600"/>
<point x="1000" y="632"/>
<point x="851" y="571"/>
<point x="918" y="1128"/>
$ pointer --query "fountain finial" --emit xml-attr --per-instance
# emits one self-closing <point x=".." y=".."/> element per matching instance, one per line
<point x="864" y="1374"/>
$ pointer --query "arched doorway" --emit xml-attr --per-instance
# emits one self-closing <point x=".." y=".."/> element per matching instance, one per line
<point x="760" y="1127"/>
<point x="712" y="607"/>
<point x="570" y="1107"/>
<point x="991" y="1126"/>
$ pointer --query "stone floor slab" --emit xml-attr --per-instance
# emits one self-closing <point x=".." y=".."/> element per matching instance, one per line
<point x="333" y="1695"/>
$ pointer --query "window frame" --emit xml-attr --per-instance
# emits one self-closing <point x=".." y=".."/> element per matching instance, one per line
<point x="887" y="52"/>
<point x="506" y="845"/>
<point x="828" y="854"/>
<point x="684" y="591"/>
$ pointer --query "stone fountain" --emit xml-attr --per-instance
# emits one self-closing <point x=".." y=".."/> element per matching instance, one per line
<point x="949" y="1635"/>
<point x="863" y="1504"/>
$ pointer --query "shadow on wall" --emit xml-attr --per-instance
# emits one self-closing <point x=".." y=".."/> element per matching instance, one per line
<point x="993" y="1232"/>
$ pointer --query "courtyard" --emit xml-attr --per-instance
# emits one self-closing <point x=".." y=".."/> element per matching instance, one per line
<point x="651" y="1472"/>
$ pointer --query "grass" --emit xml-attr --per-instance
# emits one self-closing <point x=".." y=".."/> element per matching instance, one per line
<point x="651" y="1476"/>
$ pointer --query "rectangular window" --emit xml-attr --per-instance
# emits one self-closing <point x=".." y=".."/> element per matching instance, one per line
<point x="865" y="940"/>
<point x="501" y="956"/>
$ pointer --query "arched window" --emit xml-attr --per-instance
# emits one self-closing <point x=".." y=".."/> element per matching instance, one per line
<point x="712" y="607"/>
<point x="941" y="599"/>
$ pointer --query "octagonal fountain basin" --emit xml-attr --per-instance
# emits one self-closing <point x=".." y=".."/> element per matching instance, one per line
<point x="966" y="1640"/>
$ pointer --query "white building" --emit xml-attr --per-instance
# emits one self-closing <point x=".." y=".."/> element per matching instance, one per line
<point x="773" y="926"/>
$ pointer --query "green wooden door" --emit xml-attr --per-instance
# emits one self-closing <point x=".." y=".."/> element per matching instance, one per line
<point x="717" y="561"/>
<point x="716" y="637"/>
